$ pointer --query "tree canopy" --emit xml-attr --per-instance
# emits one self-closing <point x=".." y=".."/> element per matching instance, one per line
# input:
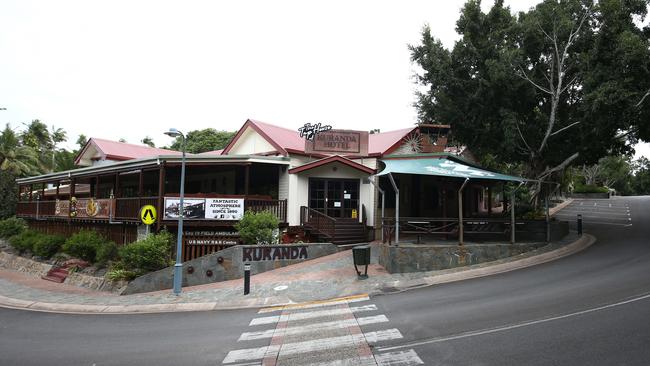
<point x="199" y="141"/>
<point x="560" y="84"/>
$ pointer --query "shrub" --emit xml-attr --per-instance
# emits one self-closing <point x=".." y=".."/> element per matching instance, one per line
<point x="12" y="226"/>
<point x="149" y="254"/>
<point x="590" y="188"/>
<point x="48" y="245"/>
<point x="84" y="245"/>
<point x="25" y="240"/>
<point x="106" y="252"/>
<point x="118" y="274"/>
<point x="258" y="227"/>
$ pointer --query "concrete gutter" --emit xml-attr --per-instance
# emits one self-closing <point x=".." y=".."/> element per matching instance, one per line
<point x="447" y="276"/>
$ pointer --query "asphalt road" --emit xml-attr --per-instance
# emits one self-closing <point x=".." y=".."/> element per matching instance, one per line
<point x="592" y="308"/>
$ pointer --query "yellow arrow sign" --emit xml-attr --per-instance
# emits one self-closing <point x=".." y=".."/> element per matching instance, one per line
<point x="148" y="214"/>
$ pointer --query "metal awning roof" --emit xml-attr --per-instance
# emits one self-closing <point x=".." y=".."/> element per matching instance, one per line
<point x="151" y="161"/>
<point x="442" y="167"/>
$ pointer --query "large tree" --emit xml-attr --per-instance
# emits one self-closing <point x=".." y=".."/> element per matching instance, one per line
<point x="199" y="141"/>
<point x="557" y="85"/>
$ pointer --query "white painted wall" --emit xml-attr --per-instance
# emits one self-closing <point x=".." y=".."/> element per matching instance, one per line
<point x="299" y="189"/>
<point x="89" y="157"/>
<point x="250" y="142"/>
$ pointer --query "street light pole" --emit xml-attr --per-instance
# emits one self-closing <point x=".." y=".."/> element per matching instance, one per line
<point x="178" y="267"/>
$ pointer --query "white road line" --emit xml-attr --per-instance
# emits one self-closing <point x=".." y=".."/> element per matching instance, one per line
<point x="311" y="314"/>
<point x="401" y="358"/>
<point x="603" y="210"/>
<point x="312" y="345"/>
<point x="606" y="223"/>
<point x="594" y="214"/>
<point x="337" y="324"/>
<point x="512" y="326"/>
<point x="313" y="305"/>
<point x="360" y="361"/>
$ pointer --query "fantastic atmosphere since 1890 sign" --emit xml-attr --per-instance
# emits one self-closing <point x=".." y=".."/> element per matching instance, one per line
<point x="205" y="208"/>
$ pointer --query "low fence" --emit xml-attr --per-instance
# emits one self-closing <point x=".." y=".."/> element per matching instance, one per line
<point x="419" y="228"/>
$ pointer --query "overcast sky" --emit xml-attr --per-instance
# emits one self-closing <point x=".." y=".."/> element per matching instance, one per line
<point x="130" y="69"/>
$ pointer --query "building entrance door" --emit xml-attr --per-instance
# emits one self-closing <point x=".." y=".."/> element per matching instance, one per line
<point x="334" y="197"/>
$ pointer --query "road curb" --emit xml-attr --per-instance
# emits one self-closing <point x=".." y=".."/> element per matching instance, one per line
<point x="475" y="271"/>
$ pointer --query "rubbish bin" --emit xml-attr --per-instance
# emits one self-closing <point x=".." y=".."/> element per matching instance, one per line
<point x="361" y="257"/>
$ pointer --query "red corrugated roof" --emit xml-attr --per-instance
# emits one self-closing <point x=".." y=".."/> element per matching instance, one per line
<point x="379" y="143"/>
<point x="332" y="159"/>
<point x="115" y="150"/>
<point x="213" y="152"/>
<point x="286" y="138"/>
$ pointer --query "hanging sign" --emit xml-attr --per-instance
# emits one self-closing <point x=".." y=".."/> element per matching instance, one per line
<point x="339" y="141"/>
<point x="192" y="208"/>
<point x="224" y="208"/>
<point x="205" y="208"/>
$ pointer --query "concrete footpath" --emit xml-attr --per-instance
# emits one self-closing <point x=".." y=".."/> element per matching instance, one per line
<point x="324" y="278"/>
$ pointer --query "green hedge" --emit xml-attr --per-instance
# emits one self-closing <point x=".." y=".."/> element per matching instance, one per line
<point x="105" y="253"/>
<point x="588" y="188"/>
<point x="25" y="240"/>
<point x="146" y="255"/>
<point x="48" y="245"/>
<point x="11" y="227"/>
<point x="84" y="245"/>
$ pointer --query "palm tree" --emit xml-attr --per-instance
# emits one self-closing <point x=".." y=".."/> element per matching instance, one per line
<point x="57" y="135"/>
<point x="17" y="159"/>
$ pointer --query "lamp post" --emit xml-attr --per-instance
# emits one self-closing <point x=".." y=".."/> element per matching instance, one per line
<point x="178" y="267"/>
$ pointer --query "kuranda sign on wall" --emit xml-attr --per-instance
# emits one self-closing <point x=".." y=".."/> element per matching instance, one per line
<point x="205" y="208"/>
<point x="274" y="253"/>
<point x="339" y="141"/>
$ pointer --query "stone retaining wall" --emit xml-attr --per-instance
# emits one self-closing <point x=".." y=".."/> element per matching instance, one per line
<point x="228" y="264"/>
<point x="38" y="269"/>
<point x="404" y="258"/>
<point x="23" y="265"/>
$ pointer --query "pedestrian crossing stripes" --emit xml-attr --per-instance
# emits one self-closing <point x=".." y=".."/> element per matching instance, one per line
<point x="321" y="334"/>
<point x="312" y="314"/>
<point x="315" y="327"/>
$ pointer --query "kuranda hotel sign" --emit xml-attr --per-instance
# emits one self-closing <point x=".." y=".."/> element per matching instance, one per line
<point x="337" y="141"/>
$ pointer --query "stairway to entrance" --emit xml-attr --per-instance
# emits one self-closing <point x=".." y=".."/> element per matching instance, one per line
<point x="330" y="229"/>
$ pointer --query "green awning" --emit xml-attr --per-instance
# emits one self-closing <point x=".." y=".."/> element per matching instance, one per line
<point x="442" y="168"/>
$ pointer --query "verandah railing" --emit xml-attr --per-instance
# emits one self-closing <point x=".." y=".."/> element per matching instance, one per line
<point x="317" y="221"/>
<point x="445" y="227"/>
<point x="128" y="209"/>
<point x="276" y="207"/>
